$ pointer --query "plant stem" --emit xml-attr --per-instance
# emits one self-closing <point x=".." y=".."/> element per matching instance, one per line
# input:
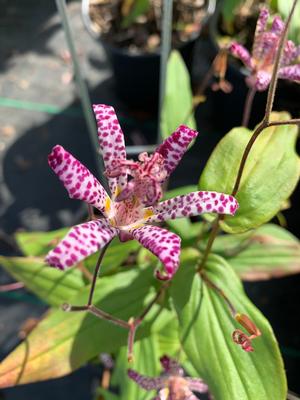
<point x="96" y="272"/>
<point x="221" y="293"/>
<point x="295" y="121"/>
<point x="135" y="323"/>
<point x="245" y="155"/>
<point x="211" y="239"/>
<point x="9" y="287"/>
<point x="248" y="106"/>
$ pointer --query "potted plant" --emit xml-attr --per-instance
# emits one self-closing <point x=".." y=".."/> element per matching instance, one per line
<point x="130" y="33"/>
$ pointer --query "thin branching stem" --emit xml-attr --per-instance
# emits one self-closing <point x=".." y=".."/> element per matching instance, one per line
<point x="96" y="272"/>
<point x="221" y="293"/>
<point x="248" y="106"/>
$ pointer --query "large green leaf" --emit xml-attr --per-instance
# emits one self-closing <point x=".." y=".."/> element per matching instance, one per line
<point x="178" y="102"/>
<point x="51" y="285"/>
<point x="39" y="243"/>
<point x="146" y="362"/>
<point x="206" y="326"/>
<point x="267" y="252"/>
<point x="63" y="342"/>
<point x="270" y="175"/>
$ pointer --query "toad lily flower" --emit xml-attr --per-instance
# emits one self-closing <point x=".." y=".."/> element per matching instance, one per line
<point x="260" y="62"/>
<point x="134" y="203"/>
<point x="172" y="385"/>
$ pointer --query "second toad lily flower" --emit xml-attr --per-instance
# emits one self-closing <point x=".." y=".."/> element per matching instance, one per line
<point x="133" y="203"/>
<point x="260" y="62"/>
<point x="172" y="384"/>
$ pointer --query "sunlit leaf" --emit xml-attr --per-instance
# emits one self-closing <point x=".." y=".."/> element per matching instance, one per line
<point x="51" y="285"/>
<point x="63" y="342"/>
<point x="267" y="252"/>
<point x="39" y="243"/>
<point x="206" y="326"/>
<point x="178" y="102"/>
<point x="270" y="175"/>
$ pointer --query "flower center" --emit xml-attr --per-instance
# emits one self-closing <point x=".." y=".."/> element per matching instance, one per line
<point x="147" y="175"/>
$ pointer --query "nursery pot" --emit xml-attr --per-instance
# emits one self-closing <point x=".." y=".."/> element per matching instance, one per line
<point x="137" y="75"/>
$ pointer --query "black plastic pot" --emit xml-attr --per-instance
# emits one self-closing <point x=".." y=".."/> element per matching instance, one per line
<point x="137" y="75"/>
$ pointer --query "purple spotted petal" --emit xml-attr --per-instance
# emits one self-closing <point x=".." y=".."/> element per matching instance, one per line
<point x="111" y="140"/>
<point x="171" y="366"/>
<point x="277" y="25"/>
<point x="174" y="147"/>
<point x="259" y="30"/>
<point x="197" y="385"/>
<point x="239" y="51"/>
<point x="162" y="243"/>
<point x="146" y="382"/>
<point x="77" y="179"/>
<point x="82" y="241"/>
<point x="260" y="81"/>
<point x="289" y="53"/>
<point x="192" y="204"/>
<point x="292" y="72"/>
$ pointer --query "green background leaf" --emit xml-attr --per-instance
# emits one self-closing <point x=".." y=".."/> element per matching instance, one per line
<point x="63" y="342"/>
<point x="39" y="243"/>
<point x="206" y="327"/>
<point x="49" y="284"/>
<point x="267" y="252"/>
<point x="270" y="175"/>
<point x="178" y="101"/>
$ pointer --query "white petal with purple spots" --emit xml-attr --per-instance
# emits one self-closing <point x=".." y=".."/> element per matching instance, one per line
<point x="163" y="244"/>
<point x="292" y="72"/>
<point x="77" y="179"/>
<point x="192" y="204"/>
<point x="174" y="147"/>
<point x="82" y="241"/>
<point x="111" y="140"/>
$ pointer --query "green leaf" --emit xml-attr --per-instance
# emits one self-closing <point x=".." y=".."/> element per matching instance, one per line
<point x="107" y="395"/>
<point x="146" y="362"/>
<point x="270" y="174"/>
<point x="139" y="8"/>
<point x="63" y="342"/>
<point x="228" y="9"/>
<point x="115" y="256"/>
<point x="206" y="326"/>
<point x="178" y="102"/>
<point x="51" y="285"/>
<point x="268" y="252"/>
<point x="39" y="243"/>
